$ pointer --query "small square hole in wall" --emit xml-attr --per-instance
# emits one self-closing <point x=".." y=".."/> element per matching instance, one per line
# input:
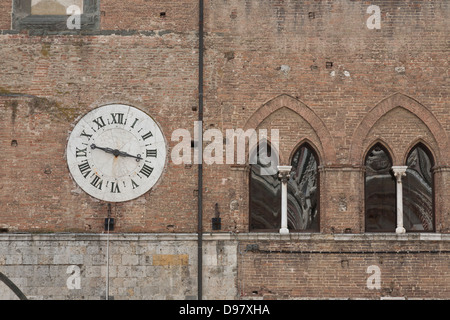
<point x="311" y="15"/>
<point x="329" y="65"/>
<point x="162" y="14"/>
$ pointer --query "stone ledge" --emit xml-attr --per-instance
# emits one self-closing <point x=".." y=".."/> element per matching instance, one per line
<point x="224" y="236"/>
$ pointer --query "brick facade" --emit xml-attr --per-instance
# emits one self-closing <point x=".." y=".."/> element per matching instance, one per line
<point x="311" y="69"/>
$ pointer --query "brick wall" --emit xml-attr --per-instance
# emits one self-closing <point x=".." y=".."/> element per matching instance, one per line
<point x="312" y="69"/>
<point x="259" y="58"/>
<point x="313" y="268"/>
<point x="260" y="52"/>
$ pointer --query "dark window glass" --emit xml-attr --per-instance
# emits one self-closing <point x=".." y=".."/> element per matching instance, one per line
<point x="303" y="195"/>
<point x="418" y="213"/>
<point x="380" y="193"/>
<point x="303" y="191"/>
<point x="265" y="196"/>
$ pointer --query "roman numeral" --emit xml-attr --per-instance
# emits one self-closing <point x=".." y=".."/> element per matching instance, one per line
<point x="81" y="152"/>
<point x="115" y="187"/>
<point x="135" y="120"/>
<point x="99" y="122"/>
<point x="146" y="170"/>
<point x="85" y="168"/>
<point x="117" y="118"/>
<point x="147" y="135"/>
<point x="151" y="153"/>
<point x="84" y="134"/>
<point x="97" y="182"/>
<point x="134" y="184"/>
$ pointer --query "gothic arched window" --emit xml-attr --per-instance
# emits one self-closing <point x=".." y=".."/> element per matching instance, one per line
<point x="380" y="192"/>
<point x="418" y="212"/>
<point x="265" y="192"/>
<point x="303" y="191"/>
<point x="302" y="196"/>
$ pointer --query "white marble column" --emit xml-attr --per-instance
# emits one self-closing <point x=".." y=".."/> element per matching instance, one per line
<point x="399" y="172"/>
<point x="283" y="174"/>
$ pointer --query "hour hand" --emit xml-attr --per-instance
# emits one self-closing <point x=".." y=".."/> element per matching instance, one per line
<point x="115" y="152"/>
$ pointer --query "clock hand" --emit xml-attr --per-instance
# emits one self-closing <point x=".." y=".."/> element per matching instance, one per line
<point x="124" y="154"/>
<point x="116" y="152"/>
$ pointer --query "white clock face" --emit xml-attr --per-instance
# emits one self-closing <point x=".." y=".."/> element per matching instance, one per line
<point x="116" y="153"/>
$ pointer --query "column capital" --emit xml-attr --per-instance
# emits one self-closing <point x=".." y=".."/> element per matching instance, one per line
<point x="399" y="172"/>
<point x="284" y="172"/>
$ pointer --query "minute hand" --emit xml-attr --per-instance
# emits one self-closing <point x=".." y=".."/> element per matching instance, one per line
<point x="124" y="154"/>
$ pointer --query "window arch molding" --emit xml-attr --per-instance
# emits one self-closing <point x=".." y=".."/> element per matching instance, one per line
<point x="311" y="145"/>
<point x="384" y="145"/>
<point x="325" y="143"/>
<point x="426" y="146"/>
<point x="387" y="104"/>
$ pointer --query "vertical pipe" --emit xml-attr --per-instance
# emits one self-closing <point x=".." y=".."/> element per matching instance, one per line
<point x="107" y="252"/>
<point x="200" y="154"/>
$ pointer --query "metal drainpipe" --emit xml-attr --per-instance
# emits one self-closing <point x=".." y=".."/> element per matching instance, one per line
<point x="200" y="156"/>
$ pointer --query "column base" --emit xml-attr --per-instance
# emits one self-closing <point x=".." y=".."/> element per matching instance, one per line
<point x="284" y="231"/>
<point x="400" y="230"/>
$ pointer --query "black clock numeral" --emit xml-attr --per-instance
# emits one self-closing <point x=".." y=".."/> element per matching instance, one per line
<point x="134" y="184"/>
<point x="147" y="135"/>
<point x="151" y="153"/>
<point x="85" y="168"/>
<point x="99" y="122"/>
<point x="146" y="170"/>
<point x="115" y="187"/>
<point x="135" y="120"/>
<point x="81" y="152"/>
<point x="97" y="182"/>
<point x="84" y="134"/>
<point x="117" y="118"/>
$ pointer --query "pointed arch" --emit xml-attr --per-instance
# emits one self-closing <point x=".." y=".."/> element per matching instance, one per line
<point x="304" y="190"/>
<point x="307" y="142"/>
<point x="326" y="142"/>
<point x="418" y="190"/>
<point x="381" y="143"/>
<point x="420" y="142"/>
<point x="264" y="193"/>
<point x="413" y="106"/>
<point x="379" y="190"/>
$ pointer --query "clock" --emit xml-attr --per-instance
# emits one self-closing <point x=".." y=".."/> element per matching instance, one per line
<point x="116" y="153"/>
